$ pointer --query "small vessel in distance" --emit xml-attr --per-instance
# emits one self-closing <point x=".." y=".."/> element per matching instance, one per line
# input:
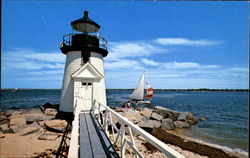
<point x="138" y="93"/>
<point x="14" y="91"/>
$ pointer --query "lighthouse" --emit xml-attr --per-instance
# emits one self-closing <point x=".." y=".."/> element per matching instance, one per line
<point x="83" y="81"/>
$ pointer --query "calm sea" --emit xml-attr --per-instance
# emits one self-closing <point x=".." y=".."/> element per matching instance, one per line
<point x="226" y="113"/>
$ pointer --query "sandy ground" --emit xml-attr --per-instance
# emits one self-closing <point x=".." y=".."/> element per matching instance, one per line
<point x="14" y="145"/>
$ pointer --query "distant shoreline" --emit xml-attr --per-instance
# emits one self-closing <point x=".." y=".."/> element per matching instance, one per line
<point x="199" y="90"/>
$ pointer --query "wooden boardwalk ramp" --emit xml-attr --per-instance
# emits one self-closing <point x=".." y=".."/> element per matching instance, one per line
<point x="94" y="143"/>
<point x="90" y="129"/>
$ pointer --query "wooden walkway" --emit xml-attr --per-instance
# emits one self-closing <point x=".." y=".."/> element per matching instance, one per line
<point x="94" y="143"/>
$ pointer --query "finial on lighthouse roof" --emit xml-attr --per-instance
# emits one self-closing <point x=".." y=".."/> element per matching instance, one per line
<point x="85" y="24"/>
<point x="86" y="14"/>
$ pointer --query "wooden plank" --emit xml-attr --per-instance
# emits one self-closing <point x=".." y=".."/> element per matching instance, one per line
<point x="107" y="145"/>
<point x="85" y="146"/>
<point x="97" y="148"/>
<point x="74" y="142"/>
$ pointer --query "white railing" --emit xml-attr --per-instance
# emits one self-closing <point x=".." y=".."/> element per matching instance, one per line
<point x="104" y="116"/>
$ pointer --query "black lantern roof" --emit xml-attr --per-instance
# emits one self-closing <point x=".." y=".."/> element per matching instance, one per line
<point x="85" y="24"/>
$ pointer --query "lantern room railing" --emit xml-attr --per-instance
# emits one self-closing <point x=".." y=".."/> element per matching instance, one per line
<point x="67" y="39"/>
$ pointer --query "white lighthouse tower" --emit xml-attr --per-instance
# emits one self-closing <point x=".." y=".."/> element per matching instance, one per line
<point x="83" y="80"/>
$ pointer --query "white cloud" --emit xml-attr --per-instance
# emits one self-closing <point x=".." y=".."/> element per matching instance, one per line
<point x="46" y="57"/>
<point x="186" y="42"/>
<point x="123" y="64"/>
<point x="149" y="62"/>
<point x="28" y="59"/>
<point x="186" y="65"/>
<point x="121" y="50"/>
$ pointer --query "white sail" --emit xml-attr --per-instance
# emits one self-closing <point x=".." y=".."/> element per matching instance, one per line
<point x="139" y="90"/>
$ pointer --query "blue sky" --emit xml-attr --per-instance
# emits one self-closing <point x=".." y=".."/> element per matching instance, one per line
<point x="178" y="44"/>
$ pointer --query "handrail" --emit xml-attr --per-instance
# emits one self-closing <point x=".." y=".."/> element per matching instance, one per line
<point x="125" y="123"/>
<point x="67" y="39"/>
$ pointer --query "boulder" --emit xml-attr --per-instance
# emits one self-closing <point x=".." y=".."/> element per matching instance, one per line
<point x="48" y="105"/>
<point x="182" y="116"/>
<point x="34" y="124"/>
<point x="167" y="124"/>
<point x="17" y="120"/>
<point x="29" y="130"/>
<point x="191" y="119"/>
<point x="56" y="125"/>
<point x="202" y="118"/>
<point x="120" y="109"/>
<point x="167" y="113"/>
<point x="50" y="111"/>
<point x="2" y="135"/>
<point x="34" y="118"/>
<point x="181" y="124"/>
<point x="14" y="112"/>
<point x="17" y="128"/>
<point x="150" y="124"/>
<point x="156" y="116"/>
<point x="115" y="120"/>
<point x="4" y="120"/>
<point x="33" y="111"/>
<point x="147" y="112"/>
<point x="48" y="136"/>
<point x="134" y="133"/>
<point x="5" y="128"/>
<point x="132" y="115"/>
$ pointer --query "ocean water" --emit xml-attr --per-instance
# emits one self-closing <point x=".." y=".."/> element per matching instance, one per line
<point x="226" y="113"/>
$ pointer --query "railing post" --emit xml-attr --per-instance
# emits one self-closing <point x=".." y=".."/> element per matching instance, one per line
<point x="111" y="123"/>
<point x="106" y="122"/>
<point x="123" y="145"/>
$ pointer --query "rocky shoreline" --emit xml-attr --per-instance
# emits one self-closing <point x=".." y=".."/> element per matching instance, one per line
<point x="37" y="132"/>
<point x="162" y="122"/>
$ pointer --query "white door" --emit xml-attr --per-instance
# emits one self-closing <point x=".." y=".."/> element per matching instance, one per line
<point x="86" y="94"/>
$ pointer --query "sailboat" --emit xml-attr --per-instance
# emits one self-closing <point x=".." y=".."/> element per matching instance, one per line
<point x="14" y="91"/>
<point x="138" y="93"/>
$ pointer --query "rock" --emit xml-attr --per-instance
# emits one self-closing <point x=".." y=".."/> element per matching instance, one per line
<point x="202" y="118"/>
<point x="34" y="111"/>
<point x="182" y="116"/>
<point x="34" y="124"/>
<point x="2" y="135"/>
<point x="50" y="111"/>
<point x="156" y="116"/>
<point x="132" y="115"/>
<point x="17" y="120"/>
<point x="5" y="128"/>
<point x="119" y="109"/>
<point x="14" y="112"/>
<point x="147" y="112"/>
<point x="191" y="119"/>
<point x="181" y="124"/>
<point x="150" y="124"/>
<point x="167" y="124"/>
<point x="48" y="136"/>
<point x="115" y="120"/>
<point x="56" y="125"/>
<point x="29" y="130"/>
<point x="49" y="105"/>
<point x="17" y="128"/>
<point x="4" y="120"/>
<point x="8" y="113"/>
<point x="32" y="118"/>
<point x="134" y="133"/>
<point x="144" y="118"/>
<point x="167" y="113"/>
